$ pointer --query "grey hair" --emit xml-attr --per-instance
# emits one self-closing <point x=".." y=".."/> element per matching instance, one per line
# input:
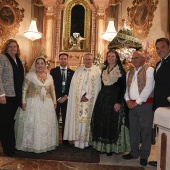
<point x="88" y="54"/>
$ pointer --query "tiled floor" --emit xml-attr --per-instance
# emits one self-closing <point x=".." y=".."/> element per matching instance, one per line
<point x="7" y="163"/>
<point x="117" y="160"/>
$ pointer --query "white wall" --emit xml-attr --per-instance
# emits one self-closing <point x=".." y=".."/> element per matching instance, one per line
<point x="160" y="21"/>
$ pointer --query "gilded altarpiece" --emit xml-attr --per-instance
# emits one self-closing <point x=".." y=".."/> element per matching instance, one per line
<point x="58" y="25"/>
<point x="87" y="41"/>
<point x="67" y="24"/>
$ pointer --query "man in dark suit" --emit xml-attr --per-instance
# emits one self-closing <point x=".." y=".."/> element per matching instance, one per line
<point x="161" y="75"/>
<point x="62" y="77"/>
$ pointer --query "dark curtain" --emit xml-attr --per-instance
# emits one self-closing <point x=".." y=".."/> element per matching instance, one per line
<point x="38" y="13"/>
<point x="114" y="12"/>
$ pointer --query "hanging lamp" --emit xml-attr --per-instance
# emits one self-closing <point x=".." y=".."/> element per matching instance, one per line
<point x="32" y="32"/>
<point x="110" y="31"/>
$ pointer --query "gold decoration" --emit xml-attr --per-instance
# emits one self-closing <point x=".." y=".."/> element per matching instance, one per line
<point x="37" y="2"/>
<point x="67" y="24"/>
<point x="10" y="17"/>
<point x="100" y="17"/>
<point x="142" y="14"/>
<point x="126" y="65"/>
<point x="152" y="56"/>
<point x="24" y="62"/>
<point x="50" y="17"/>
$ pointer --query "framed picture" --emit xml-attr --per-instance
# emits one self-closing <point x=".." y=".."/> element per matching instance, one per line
<point x="7" y="15"/>
<point x="142" y="14"/>
<point x="10" y="17"/>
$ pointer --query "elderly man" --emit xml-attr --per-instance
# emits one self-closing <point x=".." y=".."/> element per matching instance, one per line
<point x="84" y="88"/>
<point x="139" y="99"/>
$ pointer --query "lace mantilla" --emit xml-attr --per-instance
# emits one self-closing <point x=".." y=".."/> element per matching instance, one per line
<point x="112" y="77"/>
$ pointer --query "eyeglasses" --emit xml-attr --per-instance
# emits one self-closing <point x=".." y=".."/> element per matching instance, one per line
<point x="136" y="58"/>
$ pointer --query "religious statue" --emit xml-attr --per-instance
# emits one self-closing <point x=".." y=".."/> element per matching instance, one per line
<point x="75" y="41"/>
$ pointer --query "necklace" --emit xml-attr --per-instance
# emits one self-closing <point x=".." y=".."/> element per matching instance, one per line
<point x="41" y="78"/>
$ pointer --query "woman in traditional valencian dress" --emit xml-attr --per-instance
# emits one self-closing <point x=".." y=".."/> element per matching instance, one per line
<point x="36" y="126"/>
<point x="109" y="131"/>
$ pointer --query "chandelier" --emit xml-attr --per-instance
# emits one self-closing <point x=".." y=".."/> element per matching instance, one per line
<point x="110" y="32"/>
<point x="32" y="32"/>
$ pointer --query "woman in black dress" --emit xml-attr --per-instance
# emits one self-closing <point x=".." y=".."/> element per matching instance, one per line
<point x="109" y="131"/>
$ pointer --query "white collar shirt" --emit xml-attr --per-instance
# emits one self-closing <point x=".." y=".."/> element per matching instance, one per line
<point x="133" y="92"/>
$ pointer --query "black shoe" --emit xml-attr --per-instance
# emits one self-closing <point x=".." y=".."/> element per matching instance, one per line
<point x="153" y="163"/>
<point x="128" y="156"/>
<point x="9" y="154"/>
<point x="88" y="147"/>
<point x="109" y="154"/>
<point x="101" y="152"/>
<point x="65" y="142"/>
<point x="143" y="162"/>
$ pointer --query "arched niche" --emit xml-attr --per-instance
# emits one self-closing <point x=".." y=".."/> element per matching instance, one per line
<point x="77" y="20"/>
<point x="82" y="23"/>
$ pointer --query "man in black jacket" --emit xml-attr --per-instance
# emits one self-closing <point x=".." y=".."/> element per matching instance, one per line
<point x="62" y="77"/>
<point x="161" y="76"/>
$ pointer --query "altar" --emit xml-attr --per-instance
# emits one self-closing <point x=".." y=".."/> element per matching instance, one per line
<point x="162" y="119"/>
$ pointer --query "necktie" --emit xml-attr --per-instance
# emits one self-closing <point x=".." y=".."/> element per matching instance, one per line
<point x="162" y="61"/>
<point x="63" y="80"/>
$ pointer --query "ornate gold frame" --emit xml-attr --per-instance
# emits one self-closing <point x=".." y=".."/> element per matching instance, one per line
<point x="7" y="16"/>
<point x="10" y="17"/>
<point x="67" y="25"/>
<point x="141" y="15"/>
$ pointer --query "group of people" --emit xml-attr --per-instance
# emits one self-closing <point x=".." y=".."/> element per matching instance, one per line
<point x="147" y="89"/>
<point x="108" y="110"/>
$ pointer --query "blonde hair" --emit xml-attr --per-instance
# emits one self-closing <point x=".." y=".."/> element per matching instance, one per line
<point x="6" y="44"/>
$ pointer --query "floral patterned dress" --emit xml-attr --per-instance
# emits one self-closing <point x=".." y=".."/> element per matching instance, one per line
<point x="36" y="128"/>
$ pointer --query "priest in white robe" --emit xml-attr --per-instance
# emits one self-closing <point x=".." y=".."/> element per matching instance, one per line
<point x="84" y="88"/>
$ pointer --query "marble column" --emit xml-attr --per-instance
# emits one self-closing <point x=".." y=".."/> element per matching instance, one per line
<point x="100" y="30"/>
<point x="93" y="39"/>
<point x="49" y="32"/>
<point x="58" y="32"/>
